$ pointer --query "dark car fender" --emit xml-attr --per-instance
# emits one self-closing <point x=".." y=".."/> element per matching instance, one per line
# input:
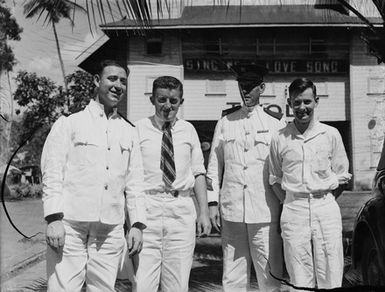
<point x="370" y="222"/>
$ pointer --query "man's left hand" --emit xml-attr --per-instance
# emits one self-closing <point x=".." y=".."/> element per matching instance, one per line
<point x="203" y="225"/>
<point x="134" y="241"/>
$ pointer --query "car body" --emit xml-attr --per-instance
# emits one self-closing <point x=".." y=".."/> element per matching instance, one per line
<point x="368" y="245"/>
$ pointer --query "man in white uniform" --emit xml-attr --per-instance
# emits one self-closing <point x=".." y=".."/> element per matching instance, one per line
<point x="307" y="162"/>
<point x="238" y="172"/>
<point x="173" y="171"/>
<point x="92" y="169"/>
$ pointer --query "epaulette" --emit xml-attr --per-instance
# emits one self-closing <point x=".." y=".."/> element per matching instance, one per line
<point x="230" y="110"/>
<point x="124" y="118"/>
<point x="274" y="114"/>
<point x="73" y="111"/>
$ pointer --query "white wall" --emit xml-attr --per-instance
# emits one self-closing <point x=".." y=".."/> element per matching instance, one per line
<point x="367" y="103"/>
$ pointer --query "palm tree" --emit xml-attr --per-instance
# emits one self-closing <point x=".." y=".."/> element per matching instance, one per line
<point x="54" y="11"/>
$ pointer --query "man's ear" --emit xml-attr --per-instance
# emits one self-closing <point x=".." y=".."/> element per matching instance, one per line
<point x="262" y="87"/>
<point x="289" y="102"/>
<point x="316" y="99"/>
<point x="181" y="100"/>
<point x="152" y="100"/>
<point x="96" y="80"/>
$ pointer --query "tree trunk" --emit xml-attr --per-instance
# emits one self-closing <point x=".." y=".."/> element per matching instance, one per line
<point x="66" y="105"/>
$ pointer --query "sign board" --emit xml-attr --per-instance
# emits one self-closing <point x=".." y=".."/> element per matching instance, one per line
<point x="300" y="66"/>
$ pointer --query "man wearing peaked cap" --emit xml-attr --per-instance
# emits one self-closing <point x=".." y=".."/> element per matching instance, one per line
<point x="238" y="175"/>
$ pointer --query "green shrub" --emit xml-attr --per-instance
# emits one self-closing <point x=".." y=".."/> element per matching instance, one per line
<point x="25" y="190"/>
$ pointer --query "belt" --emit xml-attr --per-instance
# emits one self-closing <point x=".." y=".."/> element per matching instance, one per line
<point x="174" y="193"/>
<point x="311" y="195"/>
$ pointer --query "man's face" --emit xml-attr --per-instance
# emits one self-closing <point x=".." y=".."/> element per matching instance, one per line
<point x="166" y="102"/>
<point x="251" y="92"/>
<point x="111" y="85"/>
<point x="303" y="106"/>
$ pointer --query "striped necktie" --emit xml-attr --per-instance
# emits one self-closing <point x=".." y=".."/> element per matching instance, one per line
<point x="167" y="163"/>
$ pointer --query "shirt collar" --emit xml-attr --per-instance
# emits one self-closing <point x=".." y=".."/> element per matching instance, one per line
<point x="253" y="111"/>
<point x="159" y="123"/>
<point x="314" y="130"/>
<point x="97" y="110"/>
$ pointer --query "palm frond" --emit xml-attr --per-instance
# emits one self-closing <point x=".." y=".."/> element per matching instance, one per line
<point x="111" y="13"/>
<point x="120" y="10"/>
<point x="380" y="5"/>
<point x="37" y="285"/>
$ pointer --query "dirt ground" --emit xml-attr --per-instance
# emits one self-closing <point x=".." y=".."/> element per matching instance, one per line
<point x="205" y="275"/>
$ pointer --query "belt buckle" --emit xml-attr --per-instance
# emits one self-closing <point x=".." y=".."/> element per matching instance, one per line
<point x="175" y="193"/>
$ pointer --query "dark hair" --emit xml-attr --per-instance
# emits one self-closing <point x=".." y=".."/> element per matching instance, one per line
<point x="110" y="62"/>
<point x="168" y="82"/>
<point x="300" y="85"/>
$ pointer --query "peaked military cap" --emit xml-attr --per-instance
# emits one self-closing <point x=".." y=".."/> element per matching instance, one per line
<point x="249" y="72"/>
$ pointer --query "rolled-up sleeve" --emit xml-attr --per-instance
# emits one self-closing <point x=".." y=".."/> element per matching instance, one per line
<point x="53" y="161"/>
<point x="134" y="187"/>
<point x="216" y="164"/>
<point x="275" y="162"/>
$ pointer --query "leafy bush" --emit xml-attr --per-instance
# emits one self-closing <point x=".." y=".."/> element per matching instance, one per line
<point x="24" y="190"/>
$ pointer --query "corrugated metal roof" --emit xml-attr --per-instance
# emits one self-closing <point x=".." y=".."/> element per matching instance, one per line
<point x="230" y="16"/>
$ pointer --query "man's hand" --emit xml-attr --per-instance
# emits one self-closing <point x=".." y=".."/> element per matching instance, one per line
<point x="55" y="234"/>
<point x="134" y="241"/>
<point x="215" y="218"/>
<point x="203" y="224"/>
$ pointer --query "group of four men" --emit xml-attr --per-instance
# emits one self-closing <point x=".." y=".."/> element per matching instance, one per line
<point x="96" y="166"/>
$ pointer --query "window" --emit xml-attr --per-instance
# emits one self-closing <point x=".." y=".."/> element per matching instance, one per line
<point x="216" y="47"/>
<point x="322" y="89"/>
<point x="154" y="46"/>
<point x="317" y="46"/>
<point x="215" y="87"/>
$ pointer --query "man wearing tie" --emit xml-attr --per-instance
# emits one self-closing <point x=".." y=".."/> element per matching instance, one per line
<point x="173" y="170"/>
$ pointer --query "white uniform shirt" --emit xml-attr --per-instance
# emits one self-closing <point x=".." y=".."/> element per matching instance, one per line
<point x="309" y="162"/>
<point x="239" y="153"/>
<point x="88" y="162"/>
<point x="187" y="154"/>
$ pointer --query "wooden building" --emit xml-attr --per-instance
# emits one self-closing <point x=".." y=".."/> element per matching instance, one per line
<point x="199" y="44"/>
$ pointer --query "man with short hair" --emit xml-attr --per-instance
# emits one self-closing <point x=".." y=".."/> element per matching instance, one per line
<point x="173" y="171"/>
<point x="92" y="169"/>
<point x="238" y="174"/>
<point x="307" y="162"/>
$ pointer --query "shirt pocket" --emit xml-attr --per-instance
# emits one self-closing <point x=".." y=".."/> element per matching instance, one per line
<point x="262" y="138"/>
<point x="262" y="143"/>
<point x="85" y="150"/>
<point x="321" y="164"/>
<point x="123" y="156"/>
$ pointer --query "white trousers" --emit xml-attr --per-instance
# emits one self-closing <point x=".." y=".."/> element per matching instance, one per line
<point x="92" y="252"/>
<point x="312" y="236"/>
<point x="168" y="244"/>
<point x="244" y="244"/>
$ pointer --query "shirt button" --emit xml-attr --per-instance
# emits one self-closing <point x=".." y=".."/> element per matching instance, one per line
<point x="245" y="167"/>
<point x="109" y="148"/>
<point x="245" y="186"/>
<point x="106" y="187"/>
<point x="107" y="167"/>
<point x="246" y="149"/>
<point x="247" y="133"/>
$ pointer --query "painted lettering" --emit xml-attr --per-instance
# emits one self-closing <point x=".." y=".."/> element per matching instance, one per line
<point x="334" y="66"/>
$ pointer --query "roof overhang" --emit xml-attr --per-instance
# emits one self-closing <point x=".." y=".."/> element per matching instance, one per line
<point x="199" y="17"/>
